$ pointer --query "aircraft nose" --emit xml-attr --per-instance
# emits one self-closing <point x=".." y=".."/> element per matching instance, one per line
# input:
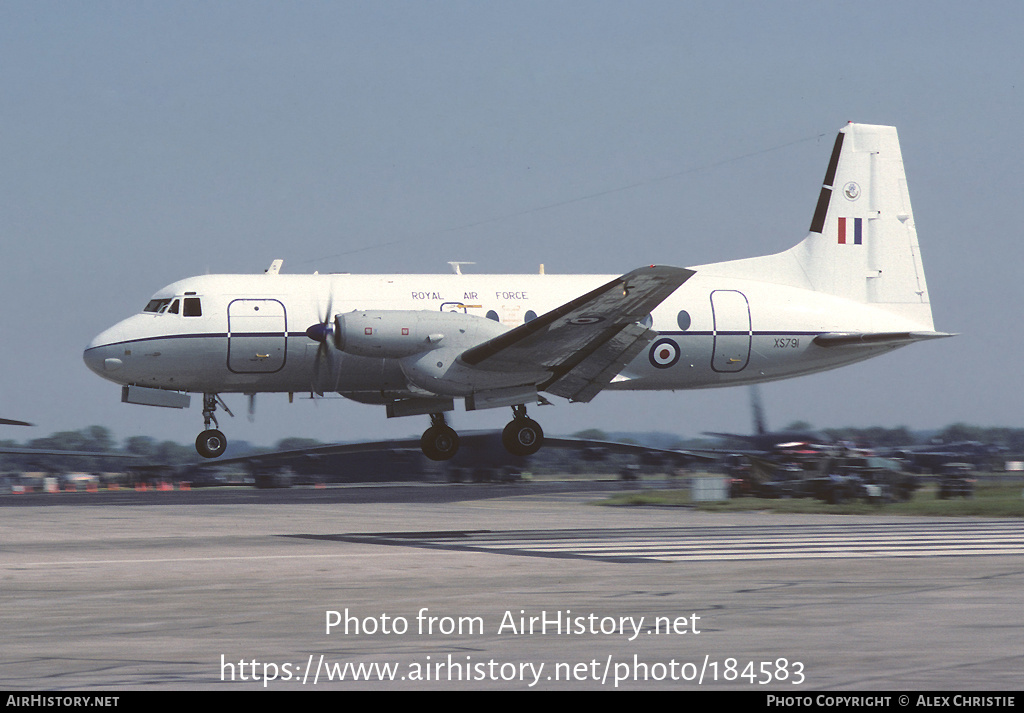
<point x="103" y="353"/>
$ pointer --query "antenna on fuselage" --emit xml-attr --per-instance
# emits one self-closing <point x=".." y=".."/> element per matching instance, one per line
<point x="457" y="265"/>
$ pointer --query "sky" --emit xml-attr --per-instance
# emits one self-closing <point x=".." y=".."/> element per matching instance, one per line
<point x="145" y="142"/>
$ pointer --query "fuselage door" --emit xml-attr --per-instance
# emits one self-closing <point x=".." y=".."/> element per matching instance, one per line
<point x="257" y="336"/>
<point x="732" y="331"/>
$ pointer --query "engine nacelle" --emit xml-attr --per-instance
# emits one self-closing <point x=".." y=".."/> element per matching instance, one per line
<point x="440" y="372"/>
<point x="396" y="334"/>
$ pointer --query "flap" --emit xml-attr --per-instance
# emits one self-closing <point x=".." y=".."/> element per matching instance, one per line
<point x="584" y="343"/>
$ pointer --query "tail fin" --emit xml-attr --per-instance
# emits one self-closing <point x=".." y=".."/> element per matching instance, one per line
<point x="863" y="244"/>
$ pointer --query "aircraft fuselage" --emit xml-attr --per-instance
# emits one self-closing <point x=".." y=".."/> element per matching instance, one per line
<point x="250" y="333"/>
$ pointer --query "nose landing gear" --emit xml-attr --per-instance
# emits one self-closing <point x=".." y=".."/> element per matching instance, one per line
<point x="211" y="443"/>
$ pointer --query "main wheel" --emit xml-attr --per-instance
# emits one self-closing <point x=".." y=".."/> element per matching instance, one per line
<point x="522" y="437"/>
<point x="439" y="443"/>
<point x="211" y="443"/>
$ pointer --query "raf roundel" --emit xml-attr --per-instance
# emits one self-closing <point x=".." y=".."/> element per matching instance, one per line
<point x="664" y="353"/>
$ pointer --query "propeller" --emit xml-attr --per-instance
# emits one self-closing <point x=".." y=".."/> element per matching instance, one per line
<point x="252" y="408"/>
<point x="322" y="332"/>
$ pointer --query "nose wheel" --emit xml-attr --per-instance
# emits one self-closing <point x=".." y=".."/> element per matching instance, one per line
<point x="440" y="441"/>
<point x="522" y="436"/>
<point x="211" y="443"/>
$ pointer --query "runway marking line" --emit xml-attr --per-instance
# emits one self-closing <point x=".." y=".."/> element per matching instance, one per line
<point x="664" y="544"/>
<point x="919" y="538"/>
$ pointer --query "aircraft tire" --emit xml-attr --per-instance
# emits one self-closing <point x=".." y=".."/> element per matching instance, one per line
<point x="522" y="437"/>
<point x="211" y="443"/>
<point x="440" y="443"/>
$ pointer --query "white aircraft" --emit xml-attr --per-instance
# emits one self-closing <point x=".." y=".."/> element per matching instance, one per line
<point x="852" y="289"/>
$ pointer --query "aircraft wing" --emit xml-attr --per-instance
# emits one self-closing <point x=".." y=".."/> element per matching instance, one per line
<point x="583" y="344"/>
<point x="12" y="422"/>
<point x="28" y="451"/>
<point x="488" y="441"/>
<point x="278" y="458"/>
<point x="618" y="448"/>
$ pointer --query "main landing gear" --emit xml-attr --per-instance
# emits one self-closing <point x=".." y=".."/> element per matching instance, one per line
<point x="440" y="441"/>
<point x="522" y="436"/>
<point x="211" y="443"/>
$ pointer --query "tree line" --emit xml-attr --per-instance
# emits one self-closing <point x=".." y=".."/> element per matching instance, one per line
<point x="99" y="440"/>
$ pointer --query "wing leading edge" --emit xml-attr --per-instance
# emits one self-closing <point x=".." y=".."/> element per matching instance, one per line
<point x="585" y="343"/>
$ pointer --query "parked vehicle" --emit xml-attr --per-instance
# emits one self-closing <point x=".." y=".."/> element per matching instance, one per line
<point x="956" y="481"/>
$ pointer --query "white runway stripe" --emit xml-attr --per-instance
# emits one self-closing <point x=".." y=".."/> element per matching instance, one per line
<point x="914" y="538"/>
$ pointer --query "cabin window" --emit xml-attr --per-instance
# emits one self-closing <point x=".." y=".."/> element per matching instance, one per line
<point x="193" y="307"/>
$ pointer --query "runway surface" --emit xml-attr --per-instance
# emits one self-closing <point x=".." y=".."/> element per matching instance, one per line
<point x="509" y="587"/>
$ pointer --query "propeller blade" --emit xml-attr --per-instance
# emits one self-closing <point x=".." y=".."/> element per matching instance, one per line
<point x="314" y="388"/>
<point x="322" y="332"/>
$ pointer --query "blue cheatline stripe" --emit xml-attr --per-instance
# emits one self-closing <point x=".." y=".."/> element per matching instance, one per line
<point x="225" y="335"/>
<point x="782" y="333"/>
<point x="202" y="335"/>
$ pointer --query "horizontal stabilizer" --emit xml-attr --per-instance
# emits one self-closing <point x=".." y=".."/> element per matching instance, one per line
<point x="874" y="339"/>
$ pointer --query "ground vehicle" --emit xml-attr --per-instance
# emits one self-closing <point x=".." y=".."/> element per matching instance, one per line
<point x="836" y="477"/>
<point x="955" y="481"/>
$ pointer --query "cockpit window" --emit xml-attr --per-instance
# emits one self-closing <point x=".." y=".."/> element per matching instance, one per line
<point x="186" y="306"/>
<point x="157" y="305"/>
